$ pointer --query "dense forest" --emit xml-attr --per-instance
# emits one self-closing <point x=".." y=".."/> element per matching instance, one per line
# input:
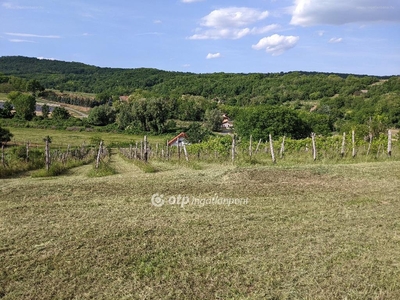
<point x="318" y="102"/>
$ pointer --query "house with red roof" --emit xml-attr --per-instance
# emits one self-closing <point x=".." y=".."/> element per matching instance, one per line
<point x="180" y="139"/>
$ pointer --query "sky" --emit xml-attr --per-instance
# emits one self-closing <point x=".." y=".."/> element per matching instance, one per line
<point x="207" y="36"/>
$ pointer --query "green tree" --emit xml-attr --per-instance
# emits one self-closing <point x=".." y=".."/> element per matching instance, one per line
<point x="101" y="115"/>
<point x="18" y="84"/>
<point x="5" y="135"/>
<point x="6" y="111"/>
<point x="156" y="114"/>
<point x="124" y="117"/>
<point x="24" y="105"/>
<point x="213" y="119"/>
<point x="192" y="108"/>
<point x="260" y="121"/>
<point x="34" y="86"/>
<point x="60" y="113"/>
<point x="151" y="114"/>
<point x="196" y="133"/>
<point x="45" y="110"/>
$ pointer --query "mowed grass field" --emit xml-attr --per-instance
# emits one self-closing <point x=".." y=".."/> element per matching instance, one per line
<point x="307" y="232"/>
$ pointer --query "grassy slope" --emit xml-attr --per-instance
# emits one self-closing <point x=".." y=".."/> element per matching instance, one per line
<point x="308" y="232"/>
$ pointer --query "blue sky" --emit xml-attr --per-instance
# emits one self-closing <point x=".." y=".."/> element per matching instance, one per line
<point x="206" y="36"/>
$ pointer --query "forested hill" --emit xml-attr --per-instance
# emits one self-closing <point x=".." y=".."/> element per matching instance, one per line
<point x="79" y="77"/>
<point x="238" y="88"/>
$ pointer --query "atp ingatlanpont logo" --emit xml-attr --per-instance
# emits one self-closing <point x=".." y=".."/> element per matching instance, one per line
<point x="159" y="200"/>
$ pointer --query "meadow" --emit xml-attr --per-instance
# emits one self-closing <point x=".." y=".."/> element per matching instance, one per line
<point x="311" y="230"/>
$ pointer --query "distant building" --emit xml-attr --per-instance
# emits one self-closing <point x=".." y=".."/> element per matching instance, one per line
<point x="180" y="139"/>
<point x="123" y="98"/>
<point x="226" y="122"/>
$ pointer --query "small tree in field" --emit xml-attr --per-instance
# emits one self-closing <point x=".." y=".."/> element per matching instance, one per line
<point x="45" y="111"/>
<point x="5" y="135"/>
<point x="25" y="105"/>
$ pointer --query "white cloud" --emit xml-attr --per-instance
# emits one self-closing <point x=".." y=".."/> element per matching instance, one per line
<point x="20" y="41"/>
<point x="276" y="44"/>
<point x="335" y="40"/>
<point x="231" y="23"/>
<point x="44" y="58"/>
<point x="148" y="33"/>
<point x="9" y="5"/>
<point x="223" y="33"/>
<point x="213" y="55"/>
<point x="265" y="29"/>
<point x="186" y="66"/>
<point x="233" y="17"/>
<point x="33" y="35"/>
<point x="312" y="12"/>
<point x="157" y="21"/>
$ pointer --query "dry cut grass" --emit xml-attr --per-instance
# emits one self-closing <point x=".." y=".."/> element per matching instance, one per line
<point x="307" y="232"/>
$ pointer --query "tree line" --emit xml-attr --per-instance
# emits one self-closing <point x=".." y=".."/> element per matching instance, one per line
<point x="232" y="89"/>
<point x="292" y="104"/>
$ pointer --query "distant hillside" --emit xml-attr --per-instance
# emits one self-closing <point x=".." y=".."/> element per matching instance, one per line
<point x="78" y="77"/>
<point x="236" y="89"/>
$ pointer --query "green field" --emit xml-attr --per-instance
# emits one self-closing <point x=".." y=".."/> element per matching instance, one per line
<point x="309" y="231"/>
<point x="74" y="138"/>
<point x="3" y="97"/>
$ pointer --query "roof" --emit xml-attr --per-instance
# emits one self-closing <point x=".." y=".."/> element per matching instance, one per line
<point x="124" y="98"/>
<point x="179" y="136"/>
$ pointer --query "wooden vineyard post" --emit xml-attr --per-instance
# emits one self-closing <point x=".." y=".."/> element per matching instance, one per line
<point x="145" y="148"/>
<point x="343" y="144"/>
<point x="282" y="147"/>
<point x="389" y="147"/>
<point x="251" y="146"/>
<point x="258" y="145"/>
<point x="179" y="150"/>
<point x="130" y="151"/>
<point x="82" y="150"/>
<point x="314" y="148"/>
<point x="3" y="162"/>
<point x="185" y="152"/>
<point x="47" y="153"/>
<point x="370" y="143"/>
<point x="353" y="141"/>
<point x="99" y="154"/>
<point x="198" y="152"/>
<point x="136" y="152"/>
<point x="27" y="151"/>
<point x="379" y="149"/>
<point x="271" y="148"/>
<point x="233" y="148"/>
<point x="157" y="150"/>
<point x="167" y="151"/>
